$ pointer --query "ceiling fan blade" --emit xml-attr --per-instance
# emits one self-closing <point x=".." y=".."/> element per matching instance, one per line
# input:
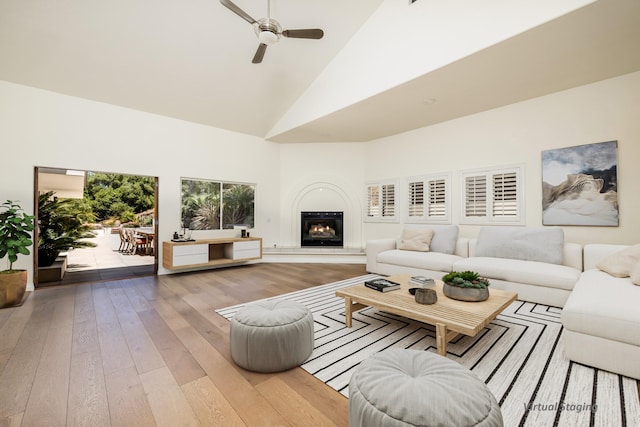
<point x="235" y="9"/>
<point x="257" y="58"/>
<point x="311" y="33"/>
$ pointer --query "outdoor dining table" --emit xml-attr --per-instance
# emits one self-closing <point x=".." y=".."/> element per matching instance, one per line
<point x="148" y="235"/>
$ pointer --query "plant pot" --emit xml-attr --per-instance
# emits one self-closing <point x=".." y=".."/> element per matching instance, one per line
<point x="47" y="257"/>
<point x="13" y="284"/>
<point x="465" y="294"/>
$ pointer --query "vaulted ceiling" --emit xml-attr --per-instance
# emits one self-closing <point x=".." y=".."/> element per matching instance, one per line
<point x="192" y="61"/>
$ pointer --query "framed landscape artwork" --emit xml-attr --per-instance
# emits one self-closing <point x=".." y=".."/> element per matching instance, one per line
<point x="580" y="185"/>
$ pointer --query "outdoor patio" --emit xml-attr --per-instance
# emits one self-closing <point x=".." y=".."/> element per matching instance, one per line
<point x="105" y="255"/>
<point x="104" y="262"/>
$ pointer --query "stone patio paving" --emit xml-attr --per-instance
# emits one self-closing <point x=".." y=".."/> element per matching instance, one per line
<point x="105" y="255"/>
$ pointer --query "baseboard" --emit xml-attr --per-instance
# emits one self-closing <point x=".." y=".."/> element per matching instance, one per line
<point x="318" y="255"/>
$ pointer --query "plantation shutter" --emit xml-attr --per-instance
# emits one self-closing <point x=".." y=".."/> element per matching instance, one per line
<point x="437" y="198"/>
<point x="493" y="196"/>
<point x="388" y="200"/>
<point x="505" y="195"/>
<point x="475" y="201"/>
<point x="381" y="201"/>
<point x="373" y="201"/>
<point x="428" y="198"/>
<point x="416" y="199"/>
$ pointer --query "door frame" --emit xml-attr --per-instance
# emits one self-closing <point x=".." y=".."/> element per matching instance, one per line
<point x="35" y="211"/>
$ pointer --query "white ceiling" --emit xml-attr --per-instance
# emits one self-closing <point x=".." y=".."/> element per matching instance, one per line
<point x="192" y="61"/>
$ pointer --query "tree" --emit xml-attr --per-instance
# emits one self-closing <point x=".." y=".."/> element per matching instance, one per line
<point x="109" y="192"/>
<point x="207" y="216"/>
<point x="200" y="204"/>
<point x="237" y="208"/>
<point x="62" y="223"/>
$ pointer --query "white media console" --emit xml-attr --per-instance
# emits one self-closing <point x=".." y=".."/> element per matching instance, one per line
<point x="210" y="252"/>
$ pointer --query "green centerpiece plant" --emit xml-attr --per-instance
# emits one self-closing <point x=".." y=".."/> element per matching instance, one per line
<point x="465" y="286"/>
<point x="15" y="239"/>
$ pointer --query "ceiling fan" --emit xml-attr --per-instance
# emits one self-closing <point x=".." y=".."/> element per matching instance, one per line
<point x="269" y="30"/>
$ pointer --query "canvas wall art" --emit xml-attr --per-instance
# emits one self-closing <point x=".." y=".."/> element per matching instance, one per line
<point x="580" y="185"/>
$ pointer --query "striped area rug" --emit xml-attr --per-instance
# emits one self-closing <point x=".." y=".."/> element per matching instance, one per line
<point x="519" y="356"/>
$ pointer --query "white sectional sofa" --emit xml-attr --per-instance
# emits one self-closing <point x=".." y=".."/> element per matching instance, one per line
<point x="535" y="262"/>
<point x="600" y="311"/>
<point x="601" y="318"/>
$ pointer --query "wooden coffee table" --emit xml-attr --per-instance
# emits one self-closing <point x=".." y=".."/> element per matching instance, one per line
<point x="450" y="317"/>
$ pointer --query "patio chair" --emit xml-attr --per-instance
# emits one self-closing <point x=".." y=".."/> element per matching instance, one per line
<point x="135" y="241"/>
<point x="124" y="243"/>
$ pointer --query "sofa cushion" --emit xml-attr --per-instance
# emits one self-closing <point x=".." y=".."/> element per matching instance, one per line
<point x="604" y="306"/>
<point x="414" y="239"/>
<point x="444" y="238"/>
<point x="619" y="263"/>
<point x="425" y="260"/>
<point x="528" y="244"/>
<point x="518" y="271"/>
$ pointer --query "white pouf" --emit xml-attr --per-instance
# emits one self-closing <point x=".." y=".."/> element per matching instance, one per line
<point x="400" y="387"/>
<point x="271" y="336"/>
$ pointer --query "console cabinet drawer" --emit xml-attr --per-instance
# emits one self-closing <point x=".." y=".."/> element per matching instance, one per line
<point x="248" y="245"/>
<point x="243" y="250"/>
<point x="190" y="255"/>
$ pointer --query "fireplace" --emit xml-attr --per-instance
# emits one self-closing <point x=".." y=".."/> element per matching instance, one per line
<point x="321" y="229"/>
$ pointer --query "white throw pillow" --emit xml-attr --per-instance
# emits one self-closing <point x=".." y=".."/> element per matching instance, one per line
<point x="541" y="244"/>
<point x="619" y="264"/>
<point x="416" y="239"/>
<point x="445" y="237"/>
<point x="635" y="273"/>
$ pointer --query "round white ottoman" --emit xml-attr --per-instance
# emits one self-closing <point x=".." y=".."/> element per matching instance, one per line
<point x="400" y="387"/>
<point x="271" y="336"/>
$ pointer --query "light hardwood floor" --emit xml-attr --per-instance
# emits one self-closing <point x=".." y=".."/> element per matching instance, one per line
<point x="153" y="351"/>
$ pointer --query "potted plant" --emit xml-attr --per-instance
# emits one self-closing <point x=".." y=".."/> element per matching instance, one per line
<point x="15" y="226"/>
<point x="62" y="224"/>
<point x="465" y="286"/>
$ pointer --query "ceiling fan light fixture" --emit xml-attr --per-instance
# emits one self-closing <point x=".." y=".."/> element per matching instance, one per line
<point x="269" y="30"/>
<point x="267" y="37"/>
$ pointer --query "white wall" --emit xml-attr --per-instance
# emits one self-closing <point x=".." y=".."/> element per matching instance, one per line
<point x="603" y="111"/>
<point x="41" y="128"/>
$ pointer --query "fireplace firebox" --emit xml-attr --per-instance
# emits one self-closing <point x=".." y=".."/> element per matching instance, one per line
<point x="321" y="229"/>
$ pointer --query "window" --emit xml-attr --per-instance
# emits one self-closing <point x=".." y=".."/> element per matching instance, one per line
<point x="428" y="199"/>
<point x="491" y="196"/>
<point x="215" y="205"/>
<point x="381" y="202"/>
